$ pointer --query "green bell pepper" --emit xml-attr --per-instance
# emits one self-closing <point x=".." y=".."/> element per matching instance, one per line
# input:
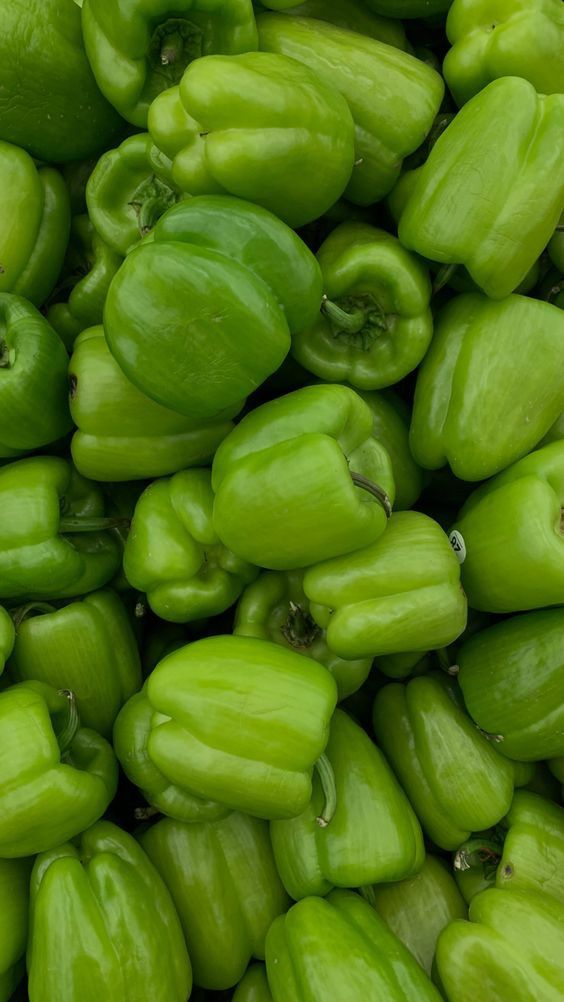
<point x="101" y="908"/>
<point x="387" y="129"/>
<point x="456" y="780"/>
<point x="374" y="835"/>
<point x="504" y="39"/>
<point x="408" y="8"/>
<point x="556" y="246"/>
<point x="14" y="894"/>
<point x="509" y="674"/>
<point x="512" y="946"/>
<point x="49" y="102"/>
<point x="52" y="538"/>
<point x="78" y="300"/>
<point x="253" y="987"/>
<point x="467" y="203"/>
<point x="418" y="909"/>
<point x="7" y="637"/>
<point x="401" y="593"/>
<point x="137" y="48"/>
<point x="391" y="419"/>
<point x="124" y="197"/>
<point x="88" y="647"/>
<point x="516" y="516"/>
<point x="259" y="126"/>
<point x="35" y="224"/>
<point x="57" y="777"/>
<point x="293" y="480"/>
<point x="350" y="14"/>
<point x="375" y="323"/>
<point x="33" y="379"/>
<point x="223" y="881"/>
<point x="123" y="434"/>
<point x="276" y="608"/>
<point x="243" y="283"/>
<point x="479" y="346"/>
<point x="338" y="948"/>
<point x="174" y="554"/>
<point x="181" y="726"/>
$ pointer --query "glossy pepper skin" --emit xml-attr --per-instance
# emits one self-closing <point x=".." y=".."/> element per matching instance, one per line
<point x="479" y="346"/>
<point x="527" y="571"/>
<point x="509" y="674"/>
<point x="375" y="323"/>
<point x="123" y="434"/>
<point x="556" y="246"/>
<point x="374" y="835"/>
<point x="401" y="593"/>
<point x="249" y="743"/>
<point x="7" y="636"/>
<point x="224" y="884"/>
<point x="49" y="102"/>
<point x="45" y="552"/>
<point x="456" y="780"/>
<point x="393" y="109"/>
<point x="102" y="906"/>
<point x="259" y="126"/>
<point x="504" y="39"/>
<point x="89" y="267"/>
<point x="516" y="938"/>
<point x="276" y="608"/>
<point x="173" y="553"/>
<point x="137" y="49"/>
<point x="88" y="647"/>
<point x="58" y="777"/>
<point x="253" y="987"/>
<point x="350" y="14"/>
<point x="35" y="224"/>
<point x="124" y="197"/>
<point x="33" y="383"/>
<point x="339" y="948"/>
<point x="391" y="418"/>
<point x="244" y="282"/>
<point x="467" y="202"/>
<point x="291" y="463"/>
<point x="14" y="892"/>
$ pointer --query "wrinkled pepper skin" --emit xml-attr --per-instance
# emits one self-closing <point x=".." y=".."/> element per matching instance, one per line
<point x="455" y="779"/>
<point x="391" y="419"/>
<point x="124" y="197"/>
<point x="137" y="49"/>
<point x="374" y="835"/>
<point x="276" y="608"/>
<point x="292" y="463"/>
<point x="512" y="944"/>
<point x="282" y="704"/>
<point x="259" y="126"/>
<point x="35" y="224"/>
<point x="393" y="109"/>
<point x="88" y="647"/>
<point x="49" y="102"/>
<point x="7" y="637"/>
<point x="375" y="323"/>
<point x="408" y="8"/>
<point x="89" y="268"/>
<point x="58" y="777"/>
<point x="504" y="39"/>
<point x="102" y="906"/>
<point x="14" y="893"/>
<point x="253" y="987"/>
<point x="350" y="14"/>
<point x="338" y="948"/>
<point x="244" y="282"/>
<point x="509" y="674"/>
<point x="173" y="553"/>
<point x="225" y="887"/>
<point x="123" y="434"/>
<point x="45" y="506"/>
<point x="479" y="346"/>
<point x="400" y="594"/>
<point x="516" y="516"/>
<point x="33" y="381"/>
<point x="467" y="202"/>
<point x="418" y="909"/>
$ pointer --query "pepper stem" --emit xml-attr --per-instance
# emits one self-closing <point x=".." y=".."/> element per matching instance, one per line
<point x="18" y="615"/>
<point x="378" y="492"/>
<point x="478" y="852"/>
<point x="72" y="524"/>
<point x="347" y="323"/>
<point x="443" y="276"/>
<point x="300" y="630"/>
<point x="172" y="48"/>
<point x="67" y="733"/>
<point x="327" y="777"/>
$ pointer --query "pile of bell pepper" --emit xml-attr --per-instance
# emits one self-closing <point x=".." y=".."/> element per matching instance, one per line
<point x="281" y="500"/>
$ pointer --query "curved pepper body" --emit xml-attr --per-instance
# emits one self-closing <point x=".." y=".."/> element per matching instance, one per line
<point x="391" y="417"/>
<point x="225" y="887"/>
<point x="409" y="8"/>
<point x="353" y="15"/>
<point x="7" y="636"/>
<point x="14" y="893"/>
<point x="253" y="987"/>
<point x="102" y="906"/>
